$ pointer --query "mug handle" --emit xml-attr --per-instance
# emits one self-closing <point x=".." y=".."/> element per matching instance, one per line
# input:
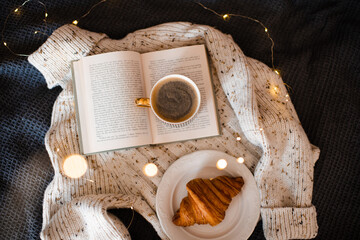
<point x="142" y="102"/>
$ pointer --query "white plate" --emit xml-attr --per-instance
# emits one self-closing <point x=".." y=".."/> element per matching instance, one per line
<point x="241" y="216"/>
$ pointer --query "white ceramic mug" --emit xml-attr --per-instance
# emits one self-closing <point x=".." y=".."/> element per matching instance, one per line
<point x="174" y="99"/>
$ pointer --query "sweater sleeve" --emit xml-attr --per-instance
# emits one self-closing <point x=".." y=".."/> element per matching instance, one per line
<point x="284" y="173"/>
<point x="66" y="44"/>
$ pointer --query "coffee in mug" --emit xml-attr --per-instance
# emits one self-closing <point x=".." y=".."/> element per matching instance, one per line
<point x="174" y="99"/>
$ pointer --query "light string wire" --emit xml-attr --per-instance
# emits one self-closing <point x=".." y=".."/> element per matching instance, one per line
<point x="227" y="17"/>
<point x="275" y="91"/>
<point x="17" y="10"/>
<point x="132" y="217"/>
<point x="75" y="22"/>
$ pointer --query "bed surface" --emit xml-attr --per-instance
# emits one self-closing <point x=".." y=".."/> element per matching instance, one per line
<point x="317" y="49"/>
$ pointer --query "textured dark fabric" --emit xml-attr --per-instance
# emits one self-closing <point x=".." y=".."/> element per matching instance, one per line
<point x="317" y="48"/>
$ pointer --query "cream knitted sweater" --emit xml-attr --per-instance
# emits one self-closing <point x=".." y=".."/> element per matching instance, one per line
<point x="252" y="103"/>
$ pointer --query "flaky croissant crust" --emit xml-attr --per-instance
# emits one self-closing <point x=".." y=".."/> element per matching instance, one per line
<point x="207" y="200"/>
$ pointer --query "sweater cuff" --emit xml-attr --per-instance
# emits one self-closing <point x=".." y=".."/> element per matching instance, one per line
<point x="289" y="223"/>
<point x="66" y="44"/>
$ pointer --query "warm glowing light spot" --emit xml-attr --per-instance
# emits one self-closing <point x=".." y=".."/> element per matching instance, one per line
<point x="277" y="71"/>
<point x="274" y="90"/>
<point x="266" y="30"/>
<point x="35" y="32"/>
<point x="75" y="166"/>
<point x="261" y="129"/>
<point x="5" y="44"/>
<point x="221" y="164"/>
<point x="150" y="169"/>
<point x="238" y="138"/>
<point x="16" y="10"/>
<point x="226" y="17"/>
<point x="57" y="149"/>
<point x="46" y="14"/>
<point x="287" y="95"/>
<point x="240" y="160"/>
<point x="75" y="22"/>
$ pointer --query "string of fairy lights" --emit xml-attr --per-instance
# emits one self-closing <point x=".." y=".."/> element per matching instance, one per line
<point x="226" y="17"/>
<point x="17" y="11"/>
<point x="75" y="166"/>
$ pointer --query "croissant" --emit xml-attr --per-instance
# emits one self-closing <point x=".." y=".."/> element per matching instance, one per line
<point x="207" y="200"/>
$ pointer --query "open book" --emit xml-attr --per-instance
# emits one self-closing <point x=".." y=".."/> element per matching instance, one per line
<point x="106" y="86"/>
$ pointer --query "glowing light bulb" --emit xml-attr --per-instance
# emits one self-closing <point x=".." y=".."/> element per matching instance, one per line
<point x="75" y="166"/>
<point x="240" y="160"/>
<point x="46" y="14"/>
<point x="16" y="10"/>
<point x="274" y="90"/>
<point x="35" y="32"/>
<point x="238" y="138"/>
<point x="5" y="44"/>
<point x="221" y="164"/>
<point x="277" y="71"/>
<point x="150" y="169"/>
<point x="226" y="17"/>
<point x="75" y="22"/>
<point x="266" y="30"/>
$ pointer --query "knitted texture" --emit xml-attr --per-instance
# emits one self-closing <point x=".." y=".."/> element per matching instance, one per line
<point x="252" y="103"/>
<point x="317" y="47"/>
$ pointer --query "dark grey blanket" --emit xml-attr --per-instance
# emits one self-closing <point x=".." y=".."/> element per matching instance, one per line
<point x="317" y="49"/>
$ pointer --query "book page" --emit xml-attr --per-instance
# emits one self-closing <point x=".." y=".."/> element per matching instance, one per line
<point x="191" y="62"/>
<point x="106" y="91"/>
